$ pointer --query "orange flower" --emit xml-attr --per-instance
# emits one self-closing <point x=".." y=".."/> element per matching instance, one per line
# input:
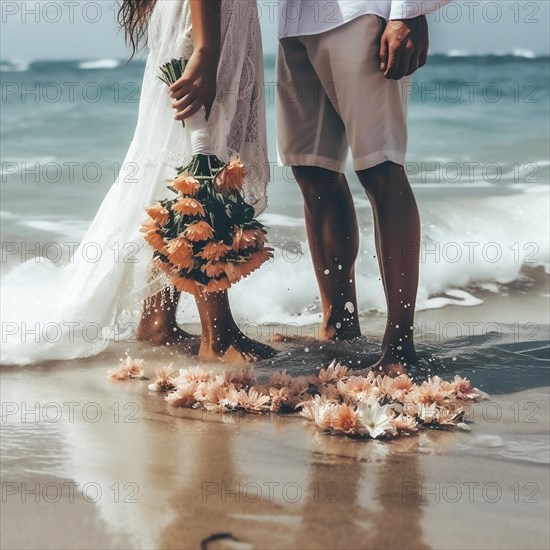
<point x="231" y="177"/>
<point x="189" y="207"/>
<point x="214" y="269"/>
<point x="233" y="272"/>
<point x="217" y="285"/>
<point x="244" y="238"/>
<point x="149" y="225"/>
<point x="236" y="271"/>
<point x="180" y="253"/>
<point x="152" y="235"/>
<point x="183" y="284"/>
<point x="259" y="257"/>
<point x="186" y="184"/>
<point x="213" y="251"/>
<point x="198" y="231"/>
<point x="158" y="213"/>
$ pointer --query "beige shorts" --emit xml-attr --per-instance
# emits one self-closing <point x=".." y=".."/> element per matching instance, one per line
<point x="332" y="96"/>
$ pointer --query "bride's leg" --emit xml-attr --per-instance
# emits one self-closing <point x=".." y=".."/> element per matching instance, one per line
<point x="221" y="337"/>
<point x="158" y="320"/>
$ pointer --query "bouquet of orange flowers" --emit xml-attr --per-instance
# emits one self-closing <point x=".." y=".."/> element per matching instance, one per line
<point x="206" y="238"/>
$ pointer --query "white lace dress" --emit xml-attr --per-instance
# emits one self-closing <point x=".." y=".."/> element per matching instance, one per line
<point x="52" y="312"/>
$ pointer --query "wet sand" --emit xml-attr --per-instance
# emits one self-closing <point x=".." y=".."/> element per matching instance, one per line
<point x="91" y="463"/>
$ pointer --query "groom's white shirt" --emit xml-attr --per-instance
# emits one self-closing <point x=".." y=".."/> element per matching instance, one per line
<point x="306" y="17"/>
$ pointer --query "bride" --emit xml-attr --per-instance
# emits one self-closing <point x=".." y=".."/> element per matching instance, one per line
<point x="73" y="311"/>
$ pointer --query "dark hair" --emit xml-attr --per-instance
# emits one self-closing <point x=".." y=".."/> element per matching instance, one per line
<point x="133" y="16"/>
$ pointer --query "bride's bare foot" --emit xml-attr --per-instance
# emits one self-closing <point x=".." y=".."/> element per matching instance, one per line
<point x="236" y="348"/>
<point x="158" y="321"/>
<point x="160" y="333"/>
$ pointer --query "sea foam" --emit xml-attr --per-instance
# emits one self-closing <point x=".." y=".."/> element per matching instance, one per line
<point x="99" y="64"/>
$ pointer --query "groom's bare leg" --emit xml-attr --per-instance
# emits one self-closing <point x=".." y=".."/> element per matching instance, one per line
<point x="221" y="338"/>
<point x="158" y="321"/>
<point x="397" y="233"/>
<point x="333" y="236"/>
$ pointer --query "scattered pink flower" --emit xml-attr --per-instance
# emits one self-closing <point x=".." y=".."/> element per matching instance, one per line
<point x="347" y="420"/>
<point x="239" y="378"/>
<point x="184" y="395"/>
<point x="404" y="423"/>
<point x="432" y="391"/>
<point x="337" y="399"/>
<point x="279" y="397"/>
<point x="463" y="388"/>
<point x="335" y="371"/>
<point x="192" y="374"/>
<point x="448" y="417"/>
<point x="253" y="401"/>
<point x="164" y="381"/>
<point x="281" y="379"/>
<point x="128" y="368"/>
<point x="210" y="392"/>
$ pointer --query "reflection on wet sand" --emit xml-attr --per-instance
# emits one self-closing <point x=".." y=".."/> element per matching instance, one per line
<point x="173" y="478"/>
<point x="317" y="500"/>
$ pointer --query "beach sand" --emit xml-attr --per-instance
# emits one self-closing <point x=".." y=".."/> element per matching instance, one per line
<point x="91" y="463"/>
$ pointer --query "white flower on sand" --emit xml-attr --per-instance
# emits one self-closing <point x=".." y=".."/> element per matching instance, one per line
<point x="311" y="409"/>
<point x="376" y="419"/>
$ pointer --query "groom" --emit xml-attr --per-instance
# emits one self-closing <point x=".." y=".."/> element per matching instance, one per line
<point x="342" y="70"/>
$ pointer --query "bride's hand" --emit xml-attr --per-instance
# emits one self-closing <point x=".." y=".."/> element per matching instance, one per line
<point x="197" y="86"/>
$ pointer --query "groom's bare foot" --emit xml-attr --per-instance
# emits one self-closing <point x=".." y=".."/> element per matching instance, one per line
<point x="340" y="323"/>
<point x="237" y="348"/>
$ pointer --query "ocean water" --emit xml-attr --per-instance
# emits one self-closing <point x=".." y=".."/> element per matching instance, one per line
<point x="478" y="160"/>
